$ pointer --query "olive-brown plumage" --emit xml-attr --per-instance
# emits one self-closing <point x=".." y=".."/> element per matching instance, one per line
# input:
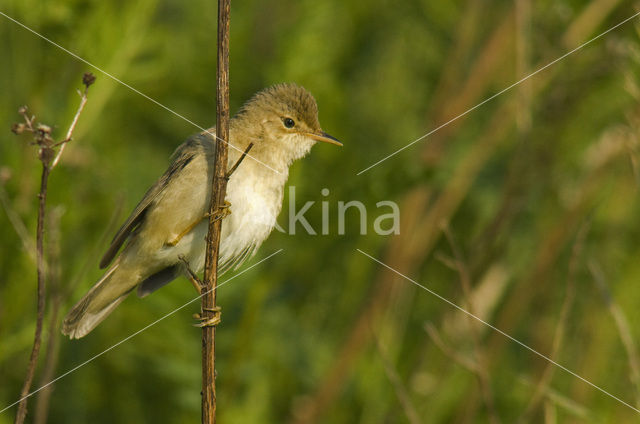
<point x="170" y="221"/>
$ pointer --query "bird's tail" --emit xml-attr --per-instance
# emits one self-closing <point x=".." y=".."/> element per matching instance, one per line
<point x="94" y="307"/>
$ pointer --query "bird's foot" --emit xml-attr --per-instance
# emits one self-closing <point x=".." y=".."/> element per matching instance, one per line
<point x="208" y="321"/>
<point x="223" y="211"/>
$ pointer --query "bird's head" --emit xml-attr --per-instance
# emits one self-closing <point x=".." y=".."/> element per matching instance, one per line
<point x="284" y="121"/>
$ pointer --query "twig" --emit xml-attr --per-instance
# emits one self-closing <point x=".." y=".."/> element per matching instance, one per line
<point x="87" y="80"/>
<point x="218" y="191"/>
<point x="239" y="161"/>
<point x="46" y="149"/>
<point x="56" y="296"/>
<point x="35" y="351"/>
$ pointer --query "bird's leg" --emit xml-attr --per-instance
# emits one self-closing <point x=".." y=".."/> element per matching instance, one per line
<point x="192" y="276"/>
<point x="177" y="238"/>
<point x="205" y="321"/>
<point x="214" y="318"/>
<point x="222" y="212"/>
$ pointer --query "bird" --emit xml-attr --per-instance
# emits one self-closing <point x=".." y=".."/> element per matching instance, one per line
<point x="164" y="237"/>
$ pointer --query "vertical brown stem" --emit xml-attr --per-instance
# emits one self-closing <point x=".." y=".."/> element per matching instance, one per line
<point x="52" y="347"/>
<point x="218" y="191"/>
<point x="35" y="350"/>
<point x="49" y="159"/>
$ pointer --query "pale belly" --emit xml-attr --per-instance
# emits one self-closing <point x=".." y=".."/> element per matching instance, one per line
<point x="254" y="209"/>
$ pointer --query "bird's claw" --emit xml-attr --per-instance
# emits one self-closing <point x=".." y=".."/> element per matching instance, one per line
<point x="223" y="211"/>
<point x="211" y="321"/>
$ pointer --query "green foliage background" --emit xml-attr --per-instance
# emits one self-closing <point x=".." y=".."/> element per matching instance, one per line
<point x="538" y="188"/>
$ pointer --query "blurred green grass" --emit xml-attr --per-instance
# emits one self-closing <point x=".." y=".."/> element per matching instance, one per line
<point x="514" y="181"/>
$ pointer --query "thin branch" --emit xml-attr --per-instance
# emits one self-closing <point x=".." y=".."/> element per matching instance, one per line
<point x="35" y="350"/>
<point x="46" y="149"/>
<point x="87" y="80"/>
<point x="53" y="346"/>
<point x="239" y="161"/>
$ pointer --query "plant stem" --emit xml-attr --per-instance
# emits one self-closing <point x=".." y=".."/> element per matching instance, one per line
<point x="35" y="350"/>
<point x="218" y="192"/>
<point x="46" y="152"/>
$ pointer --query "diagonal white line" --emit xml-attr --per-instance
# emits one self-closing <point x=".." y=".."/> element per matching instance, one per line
<point x="136" y="333"/>
<point x="130" y="87"/>
<point x="497" y="94"/>
<point x="501" y="332"/>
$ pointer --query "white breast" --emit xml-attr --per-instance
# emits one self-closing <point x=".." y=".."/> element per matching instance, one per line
<point x="256" y="200"/>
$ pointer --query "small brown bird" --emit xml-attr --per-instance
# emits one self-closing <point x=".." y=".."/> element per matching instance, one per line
<point x="171" y="220"/>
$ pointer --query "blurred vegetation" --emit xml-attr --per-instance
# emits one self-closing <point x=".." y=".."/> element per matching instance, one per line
<point x="524" y="211"/>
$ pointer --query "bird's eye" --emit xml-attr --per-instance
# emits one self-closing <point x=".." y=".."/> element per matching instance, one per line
<point x="289" y="123"/>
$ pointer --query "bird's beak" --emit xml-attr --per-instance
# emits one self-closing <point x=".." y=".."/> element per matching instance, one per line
<point x="324" y="137"/>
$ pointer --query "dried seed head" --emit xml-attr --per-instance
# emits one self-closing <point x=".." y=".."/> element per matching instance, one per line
<point x="88" y="78"/>
<point x="44" y="129"/>
<point x="17" y="128"/>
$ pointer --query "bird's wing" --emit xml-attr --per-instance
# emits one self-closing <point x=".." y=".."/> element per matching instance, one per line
<point x="181" y="158"/>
